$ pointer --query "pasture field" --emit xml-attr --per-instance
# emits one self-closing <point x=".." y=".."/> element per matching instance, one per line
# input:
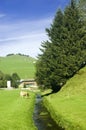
<point x="22" y="65"/>
<point x="16" y="112"/>
<point x="68" y="106"/>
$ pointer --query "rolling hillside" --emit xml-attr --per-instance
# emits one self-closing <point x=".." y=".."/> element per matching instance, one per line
<point x="68" y="106"/>
<point x="24" y="66"/>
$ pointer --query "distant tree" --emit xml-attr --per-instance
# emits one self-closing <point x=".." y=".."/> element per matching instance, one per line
<point x="15" y="80"/>
<point x="10" y="54"/>
<point x="2" y="80"/>
<point x="6" y="77"/>
<point x="15" y="76"/>
<point x="23" y="55"/>
<point x="1" y="75"/>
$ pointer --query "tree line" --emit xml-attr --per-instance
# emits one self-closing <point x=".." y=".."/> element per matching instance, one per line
<point x="14" y="78"/>
<point x="64" y="53"/>
<point x="17" y="54"/>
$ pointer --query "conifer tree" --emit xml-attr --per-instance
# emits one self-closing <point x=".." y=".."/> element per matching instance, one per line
<point x="82" y="6"/>
<point x="65" y="52"/>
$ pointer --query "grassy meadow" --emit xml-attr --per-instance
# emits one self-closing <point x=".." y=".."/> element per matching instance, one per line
<point x="68" y="106"/>
<point x="22" y="65"/>
<point x="15" y="111"/>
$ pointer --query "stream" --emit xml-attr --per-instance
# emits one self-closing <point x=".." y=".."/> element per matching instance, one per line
<point x="42" y="118"/>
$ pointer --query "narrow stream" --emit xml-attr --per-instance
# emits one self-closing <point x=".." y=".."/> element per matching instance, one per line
<point x="42" y="118"/>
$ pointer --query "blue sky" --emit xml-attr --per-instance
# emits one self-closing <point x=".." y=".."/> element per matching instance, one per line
<point x="23" y="23"/>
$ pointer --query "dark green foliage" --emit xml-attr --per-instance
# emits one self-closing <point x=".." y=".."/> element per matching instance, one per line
<point x="65" y="52"/>
<point x="1" y="75"/>
<point x="17" y="54"/>
<point x="56" y="28"/>
<point x="10" y="54"/>
<point x="82" y="6"/>
<point x="15" y="80"/>
<point x="6" y="77"/>
<point x="2" y="81"/>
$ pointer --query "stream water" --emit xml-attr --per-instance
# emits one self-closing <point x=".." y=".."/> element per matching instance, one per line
<point x="42" y="118"/>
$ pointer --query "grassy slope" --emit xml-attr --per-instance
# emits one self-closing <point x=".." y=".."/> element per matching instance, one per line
<point x="68" y="107"/>
<point x="16" y="112"/>
<point x="22" y="65"/>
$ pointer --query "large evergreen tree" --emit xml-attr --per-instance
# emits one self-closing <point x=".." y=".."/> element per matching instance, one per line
<point x="82" y="6"/>
<point x="65" y="52"/>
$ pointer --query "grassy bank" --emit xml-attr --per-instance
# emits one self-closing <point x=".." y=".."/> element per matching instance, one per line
<point x="15" y="111"/>
<point x="68" y="107"/>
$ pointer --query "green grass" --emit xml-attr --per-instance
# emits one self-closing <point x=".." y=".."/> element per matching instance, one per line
<point x="15" y="111"/>
<point x="68" y="106"/>
<point x="22" y="65"/>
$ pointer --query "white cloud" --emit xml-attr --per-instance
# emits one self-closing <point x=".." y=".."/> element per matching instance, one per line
<point x="28" y="45"/>
<point x="27" y="36"/>
<point x="23" y="36"/>
<point x="2" y="15"/>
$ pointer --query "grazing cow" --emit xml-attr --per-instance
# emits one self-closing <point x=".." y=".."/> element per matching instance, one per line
<point x="24" y="94"/>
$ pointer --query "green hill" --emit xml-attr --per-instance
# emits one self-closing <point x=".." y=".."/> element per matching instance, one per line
<point x="76" y="85"/>
<point x="68" y="106"/>
<point x="24" y="66"/>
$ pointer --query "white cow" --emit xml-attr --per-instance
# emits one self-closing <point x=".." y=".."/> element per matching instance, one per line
<point x="24" y="94"/>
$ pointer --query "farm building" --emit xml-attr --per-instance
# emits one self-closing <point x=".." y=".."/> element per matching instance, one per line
<point x="28" y="83"/>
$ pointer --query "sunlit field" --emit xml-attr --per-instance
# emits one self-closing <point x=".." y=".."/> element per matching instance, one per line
<point x="16" y="112"/>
